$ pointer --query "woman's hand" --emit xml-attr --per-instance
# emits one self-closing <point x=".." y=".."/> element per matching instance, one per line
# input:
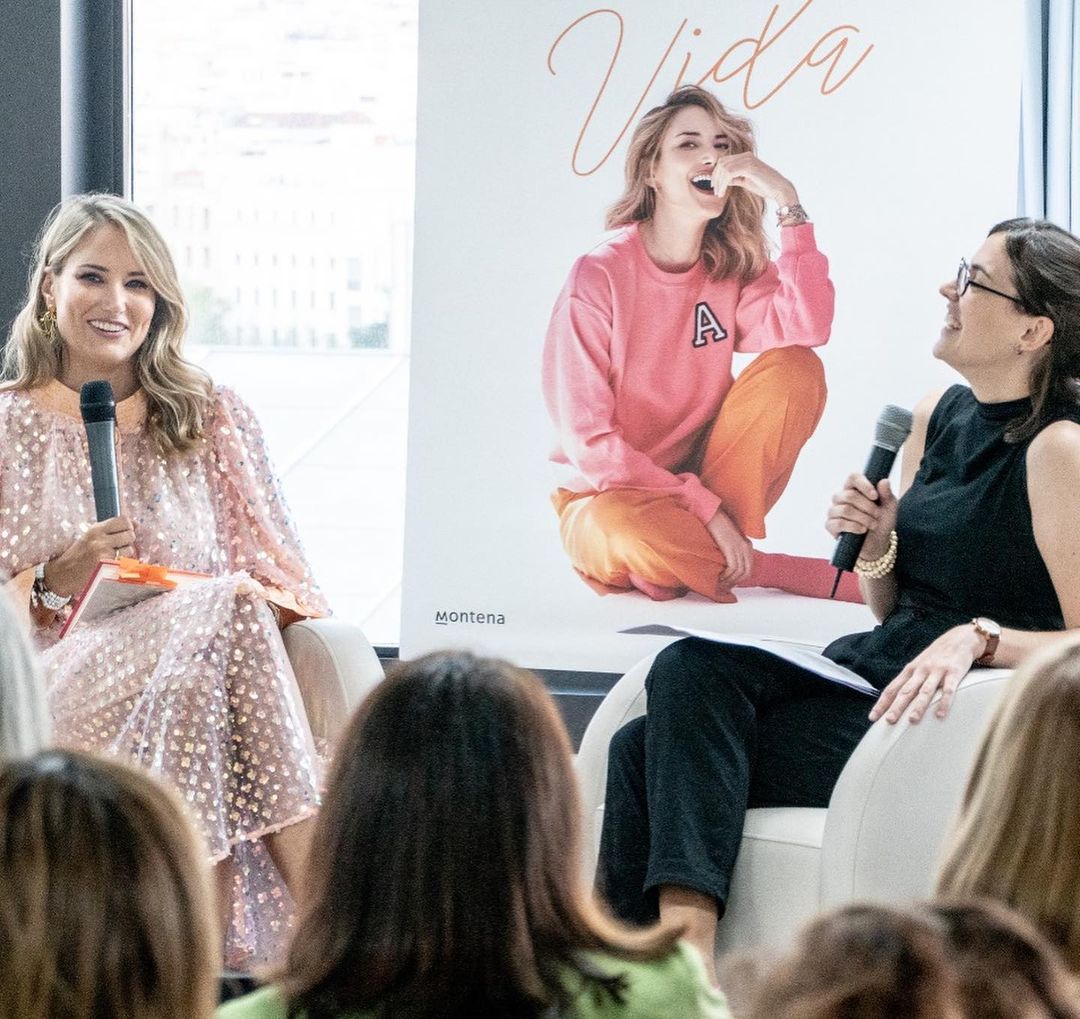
<point x="67" y="574"/>
<point x="745" y="170"/>
<point x="735" y="547"/>
<point x="940" y="667"/>
<point x="860" y="508"/>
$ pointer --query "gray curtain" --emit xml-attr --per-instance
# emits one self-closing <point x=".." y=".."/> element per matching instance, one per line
<point x="1049" y="112"/>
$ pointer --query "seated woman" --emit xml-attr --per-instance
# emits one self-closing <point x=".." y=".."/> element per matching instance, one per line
<point x="944" y="960"/>
<point x="978" y="564"/>
<point x="1017" y="834"/>
<point x="104" y="898"/>
<point x="448" y="877"/>
<point x="195" y="684"/>
<point x="667" y="463"/>
<point x="24" y="718"/>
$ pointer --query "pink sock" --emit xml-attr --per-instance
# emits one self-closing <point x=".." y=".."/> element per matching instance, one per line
<point x="801" y="575"/>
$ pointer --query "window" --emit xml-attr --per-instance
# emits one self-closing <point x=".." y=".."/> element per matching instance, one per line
<point x="290" y="130"/>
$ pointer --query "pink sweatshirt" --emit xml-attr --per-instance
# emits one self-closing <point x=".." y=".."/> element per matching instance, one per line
<point x="637" y="361"/>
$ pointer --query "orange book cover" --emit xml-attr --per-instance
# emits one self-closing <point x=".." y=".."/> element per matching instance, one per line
<point x="117" y="583"/>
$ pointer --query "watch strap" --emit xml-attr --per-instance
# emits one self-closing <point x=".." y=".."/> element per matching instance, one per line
<point x="992" y="641"/>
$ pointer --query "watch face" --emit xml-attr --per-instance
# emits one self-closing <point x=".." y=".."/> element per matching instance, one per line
<point x="989" y="627"/>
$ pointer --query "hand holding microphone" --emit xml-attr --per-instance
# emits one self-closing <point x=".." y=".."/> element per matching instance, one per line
<point x="67" y="574"/>
<point x="112" y="535"/>
<point x="867" y="502"/>
<point x="864" y="509"/>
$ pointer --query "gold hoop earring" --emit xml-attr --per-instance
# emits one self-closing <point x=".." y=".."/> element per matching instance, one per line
<point x="48" y="325"/>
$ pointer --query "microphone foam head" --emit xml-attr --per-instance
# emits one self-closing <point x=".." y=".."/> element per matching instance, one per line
<point x="893" y="427"/>
<point x="96" y="401"/>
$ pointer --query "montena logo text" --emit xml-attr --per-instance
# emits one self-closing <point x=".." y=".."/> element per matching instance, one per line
<point x="444" y="618"/>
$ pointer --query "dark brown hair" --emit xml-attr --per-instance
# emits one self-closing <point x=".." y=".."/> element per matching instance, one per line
<point x="104" y="899"/>
<point x="971" y="959"/>
<point x="1045" y="261"/>
<point x="1007" y="968"/>
<point x="864" y="961"/>
<point x="734" y="243"/>
<point x="448" y="878"/>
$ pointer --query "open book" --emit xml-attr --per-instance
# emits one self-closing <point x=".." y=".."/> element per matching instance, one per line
<point x="797" y="654"/>
<point x="117" y="583"/>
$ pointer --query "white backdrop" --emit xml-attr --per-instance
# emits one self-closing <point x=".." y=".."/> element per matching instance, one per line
<point x="903" y="164"/>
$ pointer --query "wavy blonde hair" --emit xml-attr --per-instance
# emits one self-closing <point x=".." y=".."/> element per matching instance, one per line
<point x="1015" y="839"/>
<point x="177" y="393"/>
<point x="734" y="243"/>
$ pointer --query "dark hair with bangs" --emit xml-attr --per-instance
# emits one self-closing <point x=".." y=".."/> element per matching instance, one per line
<point x="448" y="878"/>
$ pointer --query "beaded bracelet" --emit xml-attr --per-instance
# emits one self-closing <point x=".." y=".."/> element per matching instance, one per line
<point x="874" y="569"/>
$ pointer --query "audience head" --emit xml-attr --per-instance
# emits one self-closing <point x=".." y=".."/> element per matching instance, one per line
<point x="104" y="901"/>
<point x="734" y="242"/>
<point x="1018" y="830"/>
<point x="943" y="960"/>
<point x="448" y="877"/>
<point x="176" y="391"/>
<point x="24" y="718"/>
<point x="874" y="962"/>
<point x="1007" y="969"/>
<point x="1045" y="262"/>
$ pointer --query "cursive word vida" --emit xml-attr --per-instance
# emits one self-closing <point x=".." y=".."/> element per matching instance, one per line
<point x="828" y="51"/>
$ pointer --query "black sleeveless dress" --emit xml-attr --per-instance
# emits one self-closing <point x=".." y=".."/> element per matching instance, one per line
<point x="966" y="546"/>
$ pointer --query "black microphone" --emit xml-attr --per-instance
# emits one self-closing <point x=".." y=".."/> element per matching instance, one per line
<point x="892" y="428"/>
<point x="99" y="416"/>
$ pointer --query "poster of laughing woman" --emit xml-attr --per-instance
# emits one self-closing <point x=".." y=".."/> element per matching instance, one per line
<point x="671" y="262"/>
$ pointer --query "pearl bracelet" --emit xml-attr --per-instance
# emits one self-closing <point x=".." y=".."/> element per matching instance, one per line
<point x="874" y="569"/>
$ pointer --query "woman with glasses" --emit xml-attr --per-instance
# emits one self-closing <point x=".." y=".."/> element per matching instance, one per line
<point x="977" y="564"/>
<point x="667" y="464"/>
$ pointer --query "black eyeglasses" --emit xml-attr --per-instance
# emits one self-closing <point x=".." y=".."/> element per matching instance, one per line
<point x="964" y="280"/>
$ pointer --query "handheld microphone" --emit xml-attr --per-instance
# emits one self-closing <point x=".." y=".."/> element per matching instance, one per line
<point x="892" y="428"/>
<point x="99" y="416"/>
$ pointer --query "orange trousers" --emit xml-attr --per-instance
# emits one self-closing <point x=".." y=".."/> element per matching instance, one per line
<point x="630" y="538"/>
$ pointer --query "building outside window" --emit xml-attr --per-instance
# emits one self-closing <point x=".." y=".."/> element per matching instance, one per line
<point x="277" y="154"/>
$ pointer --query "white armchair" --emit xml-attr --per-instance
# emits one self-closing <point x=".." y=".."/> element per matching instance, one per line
<point x="878" y="839"/>
<point x="335" y="668"/>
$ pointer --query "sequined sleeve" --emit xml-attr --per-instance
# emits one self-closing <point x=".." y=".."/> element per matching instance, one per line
<point x="255" y="527"/>
<point x="16" y="579"/>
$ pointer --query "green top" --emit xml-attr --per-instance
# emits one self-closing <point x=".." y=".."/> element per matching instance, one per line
<point x="674" y="987"/>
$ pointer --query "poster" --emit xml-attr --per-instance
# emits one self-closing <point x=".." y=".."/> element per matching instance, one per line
<point x="903" y="150"/>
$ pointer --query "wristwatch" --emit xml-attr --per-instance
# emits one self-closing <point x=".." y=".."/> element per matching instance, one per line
<point x="50" y="599"/>
<point x="791" y="215"/>
<point x="991" y="631"/>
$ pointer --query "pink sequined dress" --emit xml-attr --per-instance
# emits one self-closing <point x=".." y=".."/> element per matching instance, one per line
<point x="193" y="685"/>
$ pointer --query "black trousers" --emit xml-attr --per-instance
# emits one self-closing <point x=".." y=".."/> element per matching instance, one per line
<point x="727" y="728"/>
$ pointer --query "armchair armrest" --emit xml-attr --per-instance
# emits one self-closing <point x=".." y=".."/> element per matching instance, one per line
<point x="335" y="666"/>
<point x="894" y="801"/>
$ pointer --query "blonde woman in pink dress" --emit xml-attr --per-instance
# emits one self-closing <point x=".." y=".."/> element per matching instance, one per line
<point x="194" y="685"/>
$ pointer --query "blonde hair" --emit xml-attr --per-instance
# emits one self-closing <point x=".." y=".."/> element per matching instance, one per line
<point x="1015" y="839"/>
<point x="177" y="393"/>
<point x="734" y="243"/>
<point x="24" y="718"/>
<point x="104" y="895"/>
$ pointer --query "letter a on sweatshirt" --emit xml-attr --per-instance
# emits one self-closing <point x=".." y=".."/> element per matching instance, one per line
<point x="705" y="323"/>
